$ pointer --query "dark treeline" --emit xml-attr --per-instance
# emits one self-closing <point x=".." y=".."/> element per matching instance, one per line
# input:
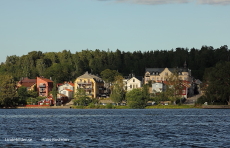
<point x="66" y="66"/>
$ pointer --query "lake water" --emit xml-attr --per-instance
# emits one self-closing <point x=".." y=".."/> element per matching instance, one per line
<point x="115" y="128"/>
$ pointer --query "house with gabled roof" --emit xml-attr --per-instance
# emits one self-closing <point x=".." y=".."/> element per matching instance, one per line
<point x="67" y="89"/>
<point x="30" y="84"/>
<point x="92" y="84"/>
<point x="162" y="74"/>
<point x="44" y="86"/>
<point x="132" y="81"/>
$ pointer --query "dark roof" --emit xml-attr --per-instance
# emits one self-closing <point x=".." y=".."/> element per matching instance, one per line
<point x="139" y="78"/>
<point x="159" y="70"/>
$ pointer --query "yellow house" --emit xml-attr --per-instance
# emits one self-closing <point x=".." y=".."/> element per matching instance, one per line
<point x="92" y="84"/>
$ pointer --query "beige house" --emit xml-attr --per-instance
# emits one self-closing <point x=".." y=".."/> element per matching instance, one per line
<point x="92" y="84"/>
<point x="162" y="74"/>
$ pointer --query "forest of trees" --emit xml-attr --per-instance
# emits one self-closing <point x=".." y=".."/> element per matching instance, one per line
<point x="67" y="66"/>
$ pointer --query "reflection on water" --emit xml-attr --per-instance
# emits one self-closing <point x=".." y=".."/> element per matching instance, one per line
<point x="114" y="128"/>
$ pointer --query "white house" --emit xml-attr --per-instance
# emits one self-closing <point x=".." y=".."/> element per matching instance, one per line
<point x="132" y="82"/>
<point x="67" y="89"/>
<point x="158" y="87"/>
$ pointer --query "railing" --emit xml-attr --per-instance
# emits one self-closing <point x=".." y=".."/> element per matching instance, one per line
<point x="42" y="86"/>
<point x="87" y="83"/>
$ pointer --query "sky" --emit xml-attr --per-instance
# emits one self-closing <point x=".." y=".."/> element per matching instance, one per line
<point x="127" y="25"/>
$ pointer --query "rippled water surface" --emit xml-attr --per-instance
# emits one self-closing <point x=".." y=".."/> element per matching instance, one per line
<point x="114" y="128"/>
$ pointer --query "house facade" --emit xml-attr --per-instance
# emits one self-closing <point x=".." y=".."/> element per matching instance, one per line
<point x="162" y="74"/>
<point x="44" y="86"/>
<point x="30" y="84"/>
<point x="92" y="84"/>
<point x="67" y="89"/>
<point x="132" y="82"/>
<point x="158" y="87"/>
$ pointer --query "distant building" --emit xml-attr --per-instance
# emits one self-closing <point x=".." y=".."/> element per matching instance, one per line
<point x="161" y="74"/>
<point x="30" y="84"/>
<point x="92" y="84"/>
<point x="67" y="89"/>
<point x="131" y="82"/>
<point x="158" y="87"/>
<point x="44" y="86"/>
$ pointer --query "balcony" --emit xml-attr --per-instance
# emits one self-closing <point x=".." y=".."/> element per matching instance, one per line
<point x="86" y="83"/>
<point x="42" y="90"/>
<point x="101" y="88"/>
<point x="42" y="85"/>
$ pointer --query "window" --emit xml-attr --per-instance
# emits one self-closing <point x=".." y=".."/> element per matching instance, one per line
<point x="183" y="91"/>
<point x="133" y="80"/>
<point x="130" y="86"/>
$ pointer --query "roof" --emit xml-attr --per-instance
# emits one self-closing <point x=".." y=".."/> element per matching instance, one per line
<point x="27" y="84"/>
<point x="159" y="70"/>
<point x="45" y="79"/>
<point x="27" y="80"/>
<point x="130" y="76"/>
<point x="70" y="83"/>
<point x="90" y="76"/>
<point x="68" y="89"/>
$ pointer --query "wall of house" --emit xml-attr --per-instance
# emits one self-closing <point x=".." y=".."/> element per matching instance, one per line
<point x="88" y="84"/>
<point x="44" y="87"/>
<point x="133" y="83"/>
<point x="163" y="76"/>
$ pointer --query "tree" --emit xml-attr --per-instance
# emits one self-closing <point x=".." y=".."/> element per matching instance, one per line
<point x="81" y="98"/>
<point x="7" y="91"/>
<point x="54" y="91"/>
<point x="136" y="98"/>
<point x="218" y="80"/>
<point x="174" y="86"/>
<point x="109" y="75"/>
<point x="22" y="95"/>
<point x="118" y="93"/>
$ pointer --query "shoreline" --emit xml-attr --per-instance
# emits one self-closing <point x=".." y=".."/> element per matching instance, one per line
<point x="125" y="107"/>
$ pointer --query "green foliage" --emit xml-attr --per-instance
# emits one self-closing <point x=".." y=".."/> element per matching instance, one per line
<point x="136" y="98"/>
<point x="109" y="75"/>
<point x="218" y="81"/>
<point x="109" y="106"/>
<point x="91" y="105"/>
<point x="22" y="95"/>
<point x="201" y="100"/>
<point x="54" y="90"/>
<point x="174" y="87"/>
<point x="118" y="93"/>
<point x="7" y="91"/>
<point x="71" y="65"/>
<point x="81" y="98"/>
